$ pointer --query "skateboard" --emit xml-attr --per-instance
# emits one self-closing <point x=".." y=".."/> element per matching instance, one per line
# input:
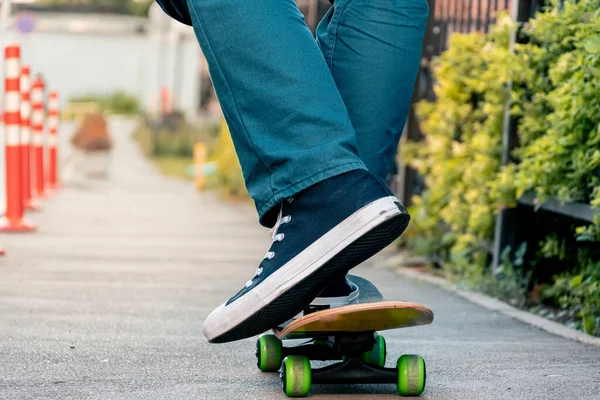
<point x="347" y="334"/>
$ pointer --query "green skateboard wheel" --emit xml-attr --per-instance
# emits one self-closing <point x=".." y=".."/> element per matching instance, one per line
<point x="269" y="353"/>
<point x="411" y="375"/>
<point x="296" y="376"/>
<point x="377" y="355"/>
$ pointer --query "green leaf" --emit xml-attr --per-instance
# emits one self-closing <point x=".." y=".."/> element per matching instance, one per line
<point x="589" y="324"/>
<point x="592" y="45"/>
<point x="576" y="281"/>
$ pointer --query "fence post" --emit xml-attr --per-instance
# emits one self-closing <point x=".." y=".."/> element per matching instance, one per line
<point x="408" y="182"/>
<point x="505" y="232"/>
<point x="13" y="220"/>
<point x="53" y="121"/>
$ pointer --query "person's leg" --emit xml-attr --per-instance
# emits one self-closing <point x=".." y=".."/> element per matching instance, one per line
<point x="373" y="50"/>
<point x="298" y="152"/>
<point x="287" y="120"/>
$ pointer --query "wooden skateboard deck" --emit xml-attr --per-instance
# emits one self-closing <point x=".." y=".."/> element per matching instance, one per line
<point x="371" y="313"/>
<point x="362" y="317"/>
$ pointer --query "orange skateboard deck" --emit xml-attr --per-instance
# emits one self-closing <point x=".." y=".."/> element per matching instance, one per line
<point x="362" y="317"/>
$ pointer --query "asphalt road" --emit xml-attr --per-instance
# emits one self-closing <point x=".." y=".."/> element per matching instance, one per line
<point x="107" y="300"/>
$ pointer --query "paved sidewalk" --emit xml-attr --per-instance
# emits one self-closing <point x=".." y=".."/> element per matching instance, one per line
<point x="107" y="302"/>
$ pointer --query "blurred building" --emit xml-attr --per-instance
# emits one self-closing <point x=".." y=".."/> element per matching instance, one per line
<point x="84" y="50"/>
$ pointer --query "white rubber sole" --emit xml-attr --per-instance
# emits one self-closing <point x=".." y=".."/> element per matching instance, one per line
<point x="227" y="317"/>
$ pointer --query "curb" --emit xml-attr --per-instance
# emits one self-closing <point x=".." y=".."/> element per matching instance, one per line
<point x="493" y="304"/>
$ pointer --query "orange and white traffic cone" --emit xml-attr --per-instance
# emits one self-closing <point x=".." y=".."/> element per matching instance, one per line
<point x="37" y="130"/>
<point x="13" y="220"/>
<point x="28" y="202"/>
<point x="53" y="121"/>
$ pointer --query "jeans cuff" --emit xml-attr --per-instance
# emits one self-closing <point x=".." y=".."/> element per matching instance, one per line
<point x="266" y="212"/>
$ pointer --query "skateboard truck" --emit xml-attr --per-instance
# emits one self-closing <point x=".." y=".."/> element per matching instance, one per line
<point x="351" y="348"/>
<point x="354" y="371"/>
<point x="348" y="345"/>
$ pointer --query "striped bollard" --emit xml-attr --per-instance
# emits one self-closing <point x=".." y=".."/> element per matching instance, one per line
<point x="13" y="220"/>
<point x="53" y="121"/>
<point x="37" y="130"/>
<point x="28" y="202"/>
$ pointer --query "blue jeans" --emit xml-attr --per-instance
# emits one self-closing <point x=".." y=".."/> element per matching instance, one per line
<point x="302" y="110"/>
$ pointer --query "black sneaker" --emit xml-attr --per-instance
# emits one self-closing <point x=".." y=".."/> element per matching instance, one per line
<point x="321" y="233"/>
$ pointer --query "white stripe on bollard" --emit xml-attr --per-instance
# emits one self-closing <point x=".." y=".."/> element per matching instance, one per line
<point x="37" y="96"/>
<point x="52" y="122"/>
<point x="37" y="118"/>
<point x="12" y="102"/>
<point x="25" y="135"/>
<point x="38" y="140"/>
<point x="53" y="104"/>
<point x="12" y="133"/>
<point x="25" y="109"/>
<point x="13" y="68"/>
<point x="52" y="141"/>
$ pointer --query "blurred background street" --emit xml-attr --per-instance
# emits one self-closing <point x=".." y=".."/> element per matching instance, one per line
<point x="148" y="226"/>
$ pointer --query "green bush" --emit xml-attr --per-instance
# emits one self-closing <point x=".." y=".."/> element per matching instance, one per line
<point x="555" y="98"/>
<point x="557" y="101"/>
<point x="175" y="144"/>
<point x="168" y="139"/>
<point x="119" y="103"/>
<point x="173" y="139"/>
<point x="461" y="151"/>
<point x="576" y="291"/>
<point x="134" y="7"/>
<point x="228" y="178"/>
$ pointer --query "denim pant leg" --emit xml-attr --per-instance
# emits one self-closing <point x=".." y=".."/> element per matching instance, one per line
<point x="373" y="49"/>
<point x="289" y="124"/>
